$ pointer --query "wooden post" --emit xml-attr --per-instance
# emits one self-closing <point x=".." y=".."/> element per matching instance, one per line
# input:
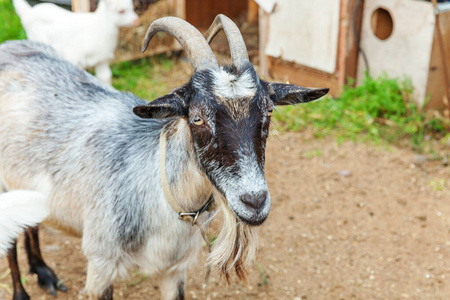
<point x="81" y="6"/>
<point x="353" y="35"/>
<point x="443" y="54"/>
<point x="263" y="39"/>
<point x="342" y="44"/>
<point x="178" y="8"/>
<point x="252" y="13"/>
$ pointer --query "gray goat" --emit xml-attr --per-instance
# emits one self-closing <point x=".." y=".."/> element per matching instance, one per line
<point x="96" y="154"/>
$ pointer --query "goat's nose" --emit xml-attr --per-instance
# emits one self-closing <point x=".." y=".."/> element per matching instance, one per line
<point x="135" y="22"/>
<point x="254" y="201"/>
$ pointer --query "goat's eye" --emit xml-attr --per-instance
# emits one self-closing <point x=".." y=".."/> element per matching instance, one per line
<point x="269" y="112"/>
<point x="122" y="11"/>
<point x="198" y="121"/>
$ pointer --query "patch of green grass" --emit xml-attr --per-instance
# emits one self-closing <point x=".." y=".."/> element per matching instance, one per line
<point x="438" y="184"/>
<point x="143" y="77"/>
<point x="381" y="109"/>
<point x="10" y="26"/>
<point x="313" y="153"/>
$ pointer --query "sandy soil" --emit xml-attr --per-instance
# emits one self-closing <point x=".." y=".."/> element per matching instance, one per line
<point x="353" y="221"/>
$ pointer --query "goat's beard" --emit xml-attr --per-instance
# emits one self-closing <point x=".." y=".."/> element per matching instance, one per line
<point x="235" y="246"/>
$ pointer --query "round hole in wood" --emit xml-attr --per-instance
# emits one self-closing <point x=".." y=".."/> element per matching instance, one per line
<point x="382" y="23"/>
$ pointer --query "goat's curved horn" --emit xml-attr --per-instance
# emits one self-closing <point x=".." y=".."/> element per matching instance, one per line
<point x="239" y="54"/>
<point x="194" y="44"/>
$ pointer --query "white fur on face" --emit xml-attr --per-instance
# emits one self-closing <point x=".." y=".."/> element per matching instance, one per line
<point x="250" y="181"/>
<point x="229" y="86"/>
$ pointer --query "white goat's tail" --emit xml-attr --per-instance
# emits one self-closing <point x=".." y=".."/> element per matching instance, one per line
<point x="21" y="7"/>
<point x="19" y="209"/>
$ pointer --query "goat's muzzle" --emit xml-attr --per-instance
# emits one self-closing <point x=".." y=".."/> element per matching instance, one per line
<point x="256" y="208"/>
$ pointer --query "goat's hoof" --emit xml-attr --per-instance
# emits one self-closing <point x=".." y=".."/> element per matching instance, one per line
<point x="21" y="296"/>
<point x="48" y="281"/>
<point x="51" y="288"/>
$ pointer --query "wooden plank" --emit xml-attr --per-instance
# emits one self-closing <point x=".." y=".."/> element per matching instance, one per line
<point x="252" y="13"/>
<point x="193" y="12"/>
<point x="177" y="8"/>
<point x="81" y="6"/>
<point x="263" y="38"/>
<point x="436" y="90"/>
<point x="299" y="34"/>
<point x="218" y="6"/>
<point x="242" y="8"/>
<point x="351" y="62"/>
<point x="201" y="13"/>
<point x="445" y="27"/>
<point x="307" y="76"/>
<point x="342" y="42"/>
<point x="303" y="76"/>
<point x="443" y="32"/>
<point x="208" y="13"/>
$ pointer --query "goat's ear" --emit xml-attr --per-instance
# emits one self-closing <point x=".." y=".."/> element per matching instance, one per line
<point x="171" y="105"/>
<point x="287" y="94"/>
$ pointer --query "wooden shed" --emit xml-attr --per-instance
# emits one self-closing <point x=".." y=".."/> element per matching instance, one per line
<point x="310" y="43"/>
<point x="314" y="43"/>
<point x="201" y="13"/>
<point x="406" y="38"/>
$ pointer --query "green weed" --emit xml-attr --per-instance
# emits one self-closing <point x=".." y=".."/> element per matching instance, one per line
<point x="143" y="77"/>
<point x="313" y="153"/>
<point x="438" y="184"/>
<point x="263" y="273"/>
<point x="10" y="26"/>
<point x="381" y="109"/>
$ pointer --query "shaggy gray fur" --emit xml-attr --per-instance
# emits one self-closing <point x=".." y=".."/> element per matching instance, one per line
<point x="79" y="142"/>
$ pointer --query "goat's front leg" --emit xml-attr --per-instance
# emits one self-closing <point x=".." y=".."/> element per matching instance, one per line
<point x="173" y="285"/>
<point x="103" y="72"/>
<point x="99" y="283"/>
<point x="19" y="291"/>
<point x="47" y="279"/>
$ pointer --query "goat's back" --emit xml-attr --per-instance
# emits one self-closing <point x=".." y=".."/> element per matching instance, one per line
<point x="67" y="135"/>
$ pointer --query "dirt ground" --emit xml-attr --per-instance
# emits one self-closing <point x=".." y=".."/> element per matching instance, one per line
<point x="353" y="221"/>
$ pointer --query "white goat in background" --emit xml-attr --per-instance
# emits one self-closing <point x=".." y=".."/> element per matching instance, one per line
<point x="19" y="209"/>
<point x="85" y="39"/>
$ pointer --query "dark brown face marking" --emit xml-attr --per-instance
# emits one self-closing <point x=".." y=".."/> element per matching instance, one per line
<point x="231" y="127"/>
<point x="228" y="112"/>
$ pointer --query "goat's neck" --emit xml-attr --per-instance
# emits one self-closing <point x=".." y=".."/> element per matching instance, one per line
<point x="188" y="183"/>
<point x="105" y="20"/>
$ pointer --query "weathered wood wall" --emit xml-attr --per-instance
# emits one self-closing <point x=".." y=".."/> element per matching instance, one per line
<point x="344" y="59"/>
<point x="201" y="13"/>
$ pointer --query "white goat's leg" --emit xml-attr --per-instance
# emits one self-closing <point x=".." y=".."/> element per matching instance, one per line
<point x="172" y="285"/>
<point x="99" y="284"/>
<point x="103" y="72"/>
